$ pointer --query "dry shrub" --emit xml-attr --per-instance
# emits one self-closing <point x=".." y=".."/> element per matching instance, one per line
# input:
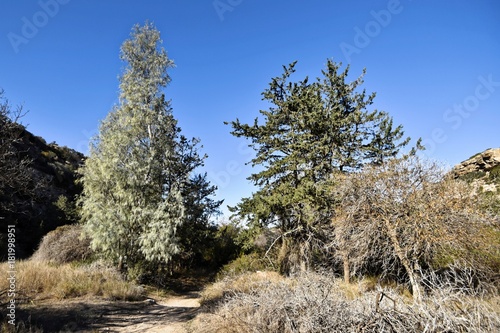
<point x="231" y="285"/>
<point x="368" y="283"/>
<point x="38" y="280"/>
<point x="63" y="245"/>
<point x="319" y="303"/>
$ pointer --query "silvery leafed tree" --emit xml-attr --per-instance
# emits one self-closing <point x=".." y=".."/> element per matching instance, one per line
<point x="136" y="178"/>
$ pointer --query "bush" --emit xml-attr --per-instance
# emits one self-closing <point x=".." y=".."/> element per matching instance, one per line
<point x="252" y="262"/>
<point x="63" y="245"/>
<point x="48" y="154"/>
<point x="494" y="175"/>
<point x="473" y="176"/>
<point x="319" y="303"/>
<point x="67" y="208"/>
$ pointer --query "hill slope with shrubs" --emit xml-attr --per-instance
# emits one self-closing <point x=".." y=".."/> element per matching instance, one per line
<point x="39" y="192"/>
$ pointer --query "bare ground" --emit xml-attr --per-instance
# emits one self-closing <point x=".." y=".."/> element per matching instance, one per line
<point x="168" y="314"/>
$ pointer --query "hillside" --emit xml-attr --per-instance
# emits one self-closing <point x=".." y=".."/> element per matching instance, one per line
<point x="483" y="169"/>
<point x="49" y="176"/>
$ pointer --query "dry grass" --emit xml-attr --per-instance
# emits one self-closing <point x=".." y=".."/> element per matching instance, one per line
<point x="42" y="280"/>
<point x="20" y="327"/>
<point x="321" y="303"/>
<point x="244" y="283"/>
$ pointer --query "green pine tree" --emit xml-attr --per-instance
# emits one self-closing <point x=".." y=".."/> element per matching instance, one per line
<point x="311" y="131"/>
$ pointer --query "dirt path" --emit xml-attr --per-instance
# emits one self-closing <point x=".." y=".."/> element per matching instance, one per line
<point x="161" y="315"/>
<point x="167" y="316"/>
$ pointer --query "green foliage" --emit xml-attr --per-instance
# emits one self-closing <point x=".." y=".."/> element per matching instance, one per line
<point x="207" y="246"/>
<point x="225" y="246"/>
<point x="252" y="262"/>
<point x="49" y="154"/>
<point x="198" y="234"/>
<point x="492" y="202"/>
<point x="137" y="186"/>
<point x="489" y="254"/>
<point x="472" y="176"/>
<point x="494" y="175"/>
<point x="68" y="209"/>
<point x="311" y="131"/>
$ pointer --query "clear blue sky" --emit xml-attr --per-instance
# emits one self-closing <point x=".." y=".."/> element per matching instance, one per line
<point x="435" y="66"/>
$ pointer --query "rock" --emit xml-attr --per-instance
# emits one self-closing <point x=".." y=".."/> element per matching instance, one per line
<point x="150" y="301"/>
<point x="482" y="162"/>
<point x="481" y="170"/>
<point x="489" y="188"/>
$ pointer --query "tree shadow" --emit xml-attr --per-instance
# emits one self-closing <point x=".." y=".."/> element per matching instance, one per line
<point x="109" y="316"/>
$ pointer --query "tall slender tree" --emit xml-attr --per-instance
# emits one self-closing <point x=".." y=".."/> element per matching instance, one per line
<point x="139" y="168"/>
<point x="311" y="131"/>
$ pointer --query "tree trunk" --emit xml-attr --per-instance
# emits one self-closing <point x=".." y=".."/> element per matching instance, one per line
<point x="415" y="284"/>
<point x="284" y="257"/>
<point x="347" y="272"/>
<point x="120" y="264"/>
<point x="412" y="274"/>
<point x="303" y="258"/>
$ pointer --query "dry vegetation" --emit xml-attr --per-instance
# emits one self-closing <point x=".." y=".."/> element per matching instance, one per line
<point x="41" y="282"/>
<point x="408" y="213"/>
<point x="38" y="280"/>
<point x="241" y="284"/>
<point x="266" y="302"/>
<point x="64" y="245"/>
<point x="404" y="221"/>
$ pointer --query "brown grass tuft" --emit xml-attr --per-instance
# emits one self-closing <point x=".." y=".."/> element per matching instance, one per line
<point x="42" y="280"/>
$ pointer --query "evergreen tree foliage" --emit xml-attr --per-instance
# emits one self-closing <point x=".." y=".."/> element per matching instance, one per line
<point x="198" y="235"/>
<point x="137" y="178"/>
<point x="311" y="131"/>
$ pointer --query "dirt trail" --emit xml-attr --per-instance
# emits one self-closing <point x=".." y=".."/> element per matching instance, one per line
<point x="168" y="315"/>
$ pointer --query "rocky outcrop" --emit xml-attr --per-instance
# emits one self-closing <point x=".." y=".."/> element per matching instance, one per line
<point x="482" y="170"/>
<point x="483" y="162"/>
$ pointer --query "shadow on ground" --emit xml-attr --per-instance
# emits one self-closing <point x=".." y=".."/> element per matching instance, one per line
<point x="105" y="316"/>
